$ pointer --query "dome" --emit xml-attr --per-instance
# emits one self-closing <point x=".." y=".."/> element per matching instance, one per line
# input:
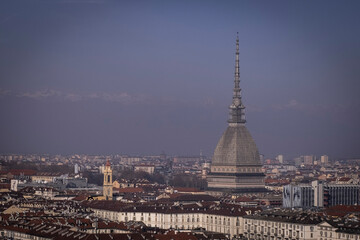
<point x="236" y="147"/>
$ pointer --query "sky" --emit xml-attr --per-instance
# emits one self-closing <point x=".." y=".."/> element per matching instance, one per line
<point x="145" y="77"/>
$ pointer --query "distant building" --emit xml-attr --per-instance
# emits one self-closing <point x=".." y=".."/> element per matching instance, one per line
<point x="108" y="184"/>
<point x="21" y="174"/>
<point x="298" y="161"/>
<point x="280" y="158"/>
<point x="318" y="194"/>
<point x="162" y="156"/>
<point x="297" y="196"/>
<point x="44" y="177"/>
<point x="145" y="168"/>
<point x="324" y="159"/>
<point x="125" y="183"/>
<point x="61" y="183"/>
<point x="187" y="159"/>
<point x="76" y="168"/>
<point x="262" y="158"/>
<point x="130" y="160"/>
<point x="309" y="160"/>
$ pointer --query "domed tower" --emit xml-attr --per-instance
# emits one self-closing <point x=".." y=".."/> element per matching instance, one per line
<point x="236" y="165"/>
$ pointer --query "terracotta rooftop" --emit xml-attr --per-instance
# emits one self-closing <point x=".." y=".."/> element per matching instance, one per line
<point x="129" y="190"/>
<point x="108" y="163"/>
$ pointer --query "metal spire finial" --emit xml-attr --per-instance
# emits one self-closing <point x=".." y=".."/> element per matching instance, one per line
<point x="237" y="113"/>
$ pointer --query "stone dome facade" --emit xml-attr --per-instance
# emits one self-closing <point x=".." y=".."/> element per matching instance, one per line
<point x="236" y="147"/>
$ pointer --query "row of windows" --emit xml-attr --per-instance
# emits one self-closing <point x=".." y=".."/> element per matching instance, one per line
<point x="325" y="234"/>
<point x="225" y="221"/>
<point x="276" y="224"/>
<point x="240" y="170"/>
<point x="273" y="231"/>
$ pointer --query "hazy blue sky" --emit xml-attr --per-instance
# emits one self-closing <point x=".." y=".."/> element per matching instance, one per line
<point x="141" y="77"/>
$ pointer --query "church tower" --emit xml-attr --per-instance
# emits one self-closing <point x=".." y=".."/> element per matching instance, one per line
<point x="236" y="165"/>
<point x="108" y="184"/>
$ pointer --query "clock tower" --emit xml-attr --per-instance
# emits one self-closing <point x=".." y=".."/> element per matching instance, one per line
<point x="108" y="184"/>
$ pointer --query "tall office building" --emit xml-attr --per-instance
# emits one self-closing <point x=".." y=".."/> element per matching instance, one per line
<point x="298" y="161"/>
<point x="309" y="160"/>
<point x="236" y="165"/>
<point x="301" y="195"/>
<point x="280" y="158"/>
<point x="324" y="159"/>
<point x="319" y="194"/>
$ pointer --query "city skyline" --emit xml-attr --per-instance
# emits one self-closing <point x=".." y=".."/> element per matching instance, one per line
<point x="146" y="77"/>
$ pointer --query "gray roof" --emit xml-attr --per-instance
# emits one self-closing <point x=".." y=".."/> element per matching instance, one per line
<point x="236" y="148"/>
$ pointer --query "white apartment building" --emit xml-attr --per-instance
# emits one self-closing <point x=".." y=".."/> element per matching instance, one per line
<point x="257" y="228"/>
<point x="238" y="222"/>
<point x="165" y="217"/>
<point x="297" y="226"/>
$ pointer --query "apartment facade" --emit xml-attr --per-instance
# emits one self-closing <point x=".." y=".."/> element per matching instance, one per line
<point x="226" y="221"/>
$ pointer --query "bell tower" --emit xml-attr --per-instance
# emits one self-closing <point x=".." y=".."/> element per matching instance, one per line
<point x="108" y="184"/>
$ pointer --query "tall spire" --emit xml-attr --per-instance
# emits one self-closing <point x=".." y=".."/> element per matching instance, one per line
<point x="237" y="109"/>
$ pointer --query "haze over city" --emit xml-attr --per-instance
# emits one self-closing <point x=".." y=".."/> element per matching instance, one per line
<point x="142" y="77"/>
